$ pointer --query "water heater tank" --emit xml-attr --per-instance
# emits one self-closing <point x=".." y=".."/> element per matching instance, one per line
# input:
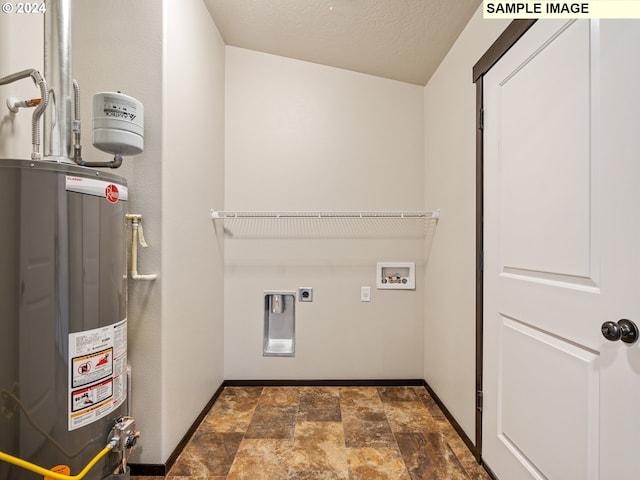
<point x="118" y="123"/>
<point x="63" y="310"/>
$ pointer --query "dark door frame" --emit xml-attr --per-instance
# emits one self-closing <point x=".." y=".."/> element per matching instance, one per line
<point x="505" y="41"/>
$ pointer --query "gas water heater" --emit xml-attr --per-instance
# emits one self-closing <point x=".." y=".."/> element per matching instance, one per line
<point x="63" y="304"/>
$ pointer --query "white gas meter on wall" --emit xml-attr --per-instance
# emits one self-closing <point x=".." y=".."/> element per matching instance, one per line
<point x="118" y="124"/>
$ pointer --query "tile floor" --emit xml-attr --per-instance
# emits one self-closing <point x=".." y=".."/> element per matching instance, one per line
<point x="325" y="433"/>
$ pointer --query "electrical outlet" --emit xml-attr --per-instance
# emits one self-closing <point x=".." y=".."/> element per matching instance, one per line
<point x="305" y="294"/>
<point x="365" y="294"/>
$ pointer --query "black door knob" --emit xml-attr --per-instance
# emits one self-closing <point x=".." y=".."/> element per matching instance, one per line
<point x="624" y="330"/>
<point x="629" y="331"/>
<point x="611" y="331"/>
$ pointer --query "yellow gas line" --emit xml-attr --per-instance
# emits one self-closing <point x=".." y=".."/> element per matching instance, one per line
<point x="51" y="474"/>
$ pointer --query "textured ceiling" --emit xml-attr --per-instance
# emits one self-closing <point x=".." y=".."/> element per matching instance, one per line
<point x="403" y="40"/>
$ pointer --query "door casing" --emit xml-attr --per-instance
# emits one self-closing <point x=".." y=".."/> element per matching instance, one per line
<point x="503" y="43"/>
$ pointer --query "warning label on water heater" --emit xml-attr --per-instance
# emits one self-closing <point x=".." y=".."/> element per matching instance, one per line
<point x="97" y="373"/>
<point x="89" y="368"/>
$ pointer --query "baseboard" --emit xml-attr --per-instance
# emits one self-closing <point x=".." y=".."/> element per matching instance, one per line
<point x="458" y="429"/>
<point x="325" y="383"/>
<point x="148" y="469"/>
<point x="489" y="471"/>
<point x="465" y="438"/>
<point x="160" y="470"/>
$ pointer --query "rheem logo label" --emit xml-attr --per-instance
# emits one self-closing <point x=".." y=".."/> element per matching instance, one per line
<point x="112" y="193"/>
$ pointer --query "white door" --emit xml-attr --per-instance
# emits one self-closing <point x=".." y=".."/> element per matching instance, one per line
<point x="562" y="253"/>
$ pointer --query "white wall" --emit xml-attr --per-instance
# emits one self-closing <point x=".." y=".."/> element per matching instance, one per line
<point x="192" y="183"/>
<point x="21" y="38"/>
<point x="449" y="334"/>
<point x="154" y="52"/>
<point x="301" y="136"/>
<point x="126" y="55"/>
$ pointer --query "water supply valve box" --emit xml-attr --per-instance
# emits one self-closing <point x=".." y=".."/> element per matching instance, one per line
<point x="396" y="275"/>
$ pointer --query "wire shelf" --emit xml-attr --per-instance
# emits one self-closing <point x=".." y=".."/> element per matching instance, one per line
<point x="324" y="214"/>
<point x="326" y="224"/>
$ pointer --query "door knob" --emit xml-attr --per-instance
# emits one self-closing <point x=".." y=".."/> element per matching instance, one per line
<point x="624" y="330"/>
<point x="611" y="331"/>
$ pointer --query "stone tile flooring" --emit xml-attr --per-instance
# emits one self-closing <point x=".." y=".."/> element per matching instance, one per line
<point x="325" y="433"/>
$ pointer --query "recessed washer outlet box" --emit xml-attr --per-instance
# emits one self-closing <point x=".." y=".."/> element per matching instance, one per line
<point x="396" y="275"/>
<point x="305" y="294"/>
